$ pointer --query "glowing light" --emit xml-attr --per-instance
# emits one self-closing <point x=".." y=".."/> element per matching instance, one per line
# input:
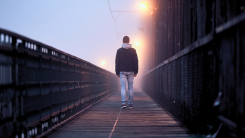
<point x="137" y="43"/>
<point x="142" y="5"/>
<point x="103" y="63"/>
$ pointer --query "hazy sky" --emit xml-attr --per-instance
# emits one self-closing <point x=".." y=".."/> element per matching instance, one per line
<point x="83" y="28"/>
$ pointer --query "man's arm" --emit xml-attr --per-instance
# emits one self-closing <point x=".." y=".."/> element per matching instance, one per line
<point x="136" y="65"/>
<point x="117" y="65"/>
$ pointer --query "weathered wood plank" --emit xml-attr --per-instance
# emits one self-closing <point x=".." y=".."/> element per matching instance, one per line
<point x="146" y="119"/>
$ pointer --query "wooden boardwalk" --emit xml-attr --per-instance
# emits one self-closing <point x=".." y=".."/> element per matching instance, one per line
<point x="145" y="120"/>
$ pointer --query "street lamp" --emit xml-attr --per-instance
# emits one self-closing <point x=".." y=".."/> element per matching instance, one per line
<point x="142" y="5"/>
<point x="149" y="6"/>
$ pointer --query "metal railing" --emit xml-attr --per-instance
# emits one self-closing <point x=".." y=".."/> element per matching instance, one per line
<point x="41" y="86"/>
<point x="186" y="78"/>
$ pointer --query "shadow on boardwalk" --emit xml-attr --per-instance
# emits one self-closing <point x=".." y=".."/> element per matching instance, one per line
<point x="146" y="119"/>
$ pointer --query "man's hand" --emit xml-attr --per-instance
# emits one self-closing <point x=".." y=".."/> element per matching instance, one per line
<point x="118" y="76"/>
<point x="135" y="75"/>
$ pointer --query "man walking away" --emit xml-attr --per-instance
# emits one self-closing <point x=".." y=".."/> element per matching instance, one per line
<point x="126" y="69"/>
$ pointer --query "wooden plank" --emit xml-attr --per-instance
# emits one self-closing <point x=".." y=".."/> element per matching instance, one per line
<point x="146" y="119"/>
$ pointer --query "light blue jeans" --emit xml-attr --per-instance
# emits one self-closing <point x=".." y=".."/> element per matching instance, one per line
<point x="124" y="77"/>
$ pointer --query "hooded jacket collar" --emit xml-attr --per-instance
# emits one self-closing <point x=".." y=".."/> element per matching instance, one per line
<point x="126" y="45"/>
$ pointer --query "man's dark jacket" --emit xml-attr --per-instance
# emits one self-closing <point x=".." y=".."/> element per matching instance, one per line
<point x="126" y="60"/>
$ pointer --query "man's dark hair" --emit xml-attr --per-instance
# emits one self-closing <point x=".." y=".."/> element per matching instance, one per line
<point x="125" y="39"/>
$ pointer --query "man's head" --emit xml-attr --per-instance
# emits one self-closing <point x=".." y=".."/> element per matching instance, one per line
<point x="126" y="39"/>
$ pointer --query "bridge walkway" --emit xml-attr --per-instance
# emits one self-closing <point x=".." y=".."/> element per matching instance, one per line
<point x="106" y="119"/>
